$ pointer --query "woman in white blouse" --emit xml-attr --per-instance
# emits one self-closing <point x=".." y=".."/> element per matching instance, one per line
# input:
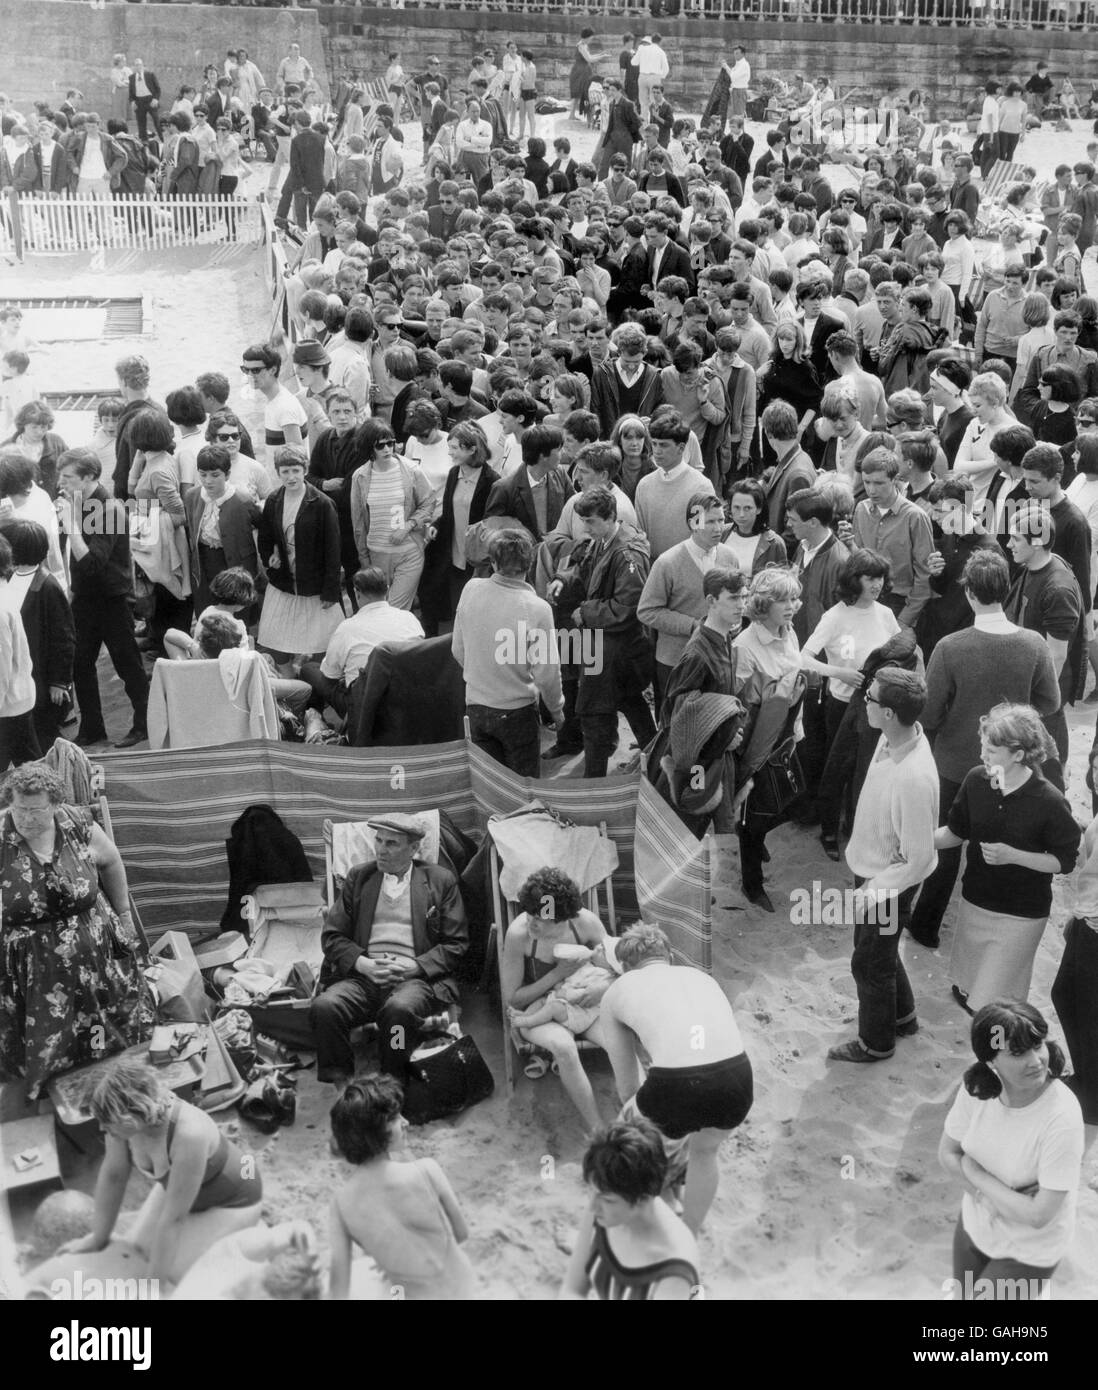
<point x="472" y="141"/>
<point x="1014" y="1139"/>
<point x="959" y="256"/>
<point x="987" y="396"/>
<point x="427" y="445"/>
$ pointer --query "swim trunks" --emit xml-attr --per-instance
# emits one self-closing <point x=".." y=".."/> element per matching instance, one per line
<point x="681" y="1100"/>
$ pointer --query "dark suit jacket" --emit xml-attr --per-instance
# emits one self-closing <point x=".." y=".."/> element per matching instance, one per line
<point x="434" y="584"/>
<point x="106" y="571"/>
<point x="737" y="155"/>
<point x="47" y="621"/>
<point x="965" y="196"/>
<point x="439" y="930"/>
<point x="829" y="323"/>
<point x="676" y="261"/>
<point x="307" y="161"/>
<point x="511" y="496"/>
<point x="794" y="475"/>
<point x="440" y="223"/>
<point x="316" y="546"/>
<point x="606" y="388"/>
<point x="114" y="157"/>
<point x="408" y="693"/>
<point x="237" y="518"/>
<point x="150" y="81"/>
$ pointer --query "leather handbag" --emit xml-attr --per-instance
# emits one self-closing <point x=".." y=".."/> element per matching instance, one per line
<point x="446" y="1075"/>
<point x="778" y="783"/>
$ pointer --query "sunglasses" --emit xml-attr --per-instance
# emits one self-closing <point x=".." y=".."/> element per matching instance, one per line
<point x="231" y="434"/>
<point x="872" y="700"/>
<point x="253" y="371"/>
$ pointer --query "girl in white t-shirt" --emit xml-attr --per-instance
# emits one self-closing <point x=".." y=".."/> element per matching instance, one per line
<point x="1014" y="1138"/>
<point x="846" y="635"/>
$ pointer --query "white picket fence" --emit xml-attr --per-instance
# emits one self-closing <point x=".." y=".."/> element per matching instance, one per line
<point x="34" y="223"/>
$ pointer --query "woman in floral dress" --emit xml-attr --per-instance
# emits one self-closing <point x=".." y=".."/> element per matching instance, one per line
<point x="71" y="988"/>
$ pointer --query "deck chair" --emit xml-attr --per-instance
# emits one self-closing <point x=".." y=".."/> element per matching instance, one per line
<point x="347" y="843"/>
<point x="101" y="811"/>
<point x="504" y="911"/>
<point x="189" y="706"/>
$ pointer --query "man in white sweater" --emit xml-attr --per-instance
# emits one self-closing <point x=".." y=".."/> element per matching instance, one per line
<point x="506" y="645"/>
<point x="891" y="851"/>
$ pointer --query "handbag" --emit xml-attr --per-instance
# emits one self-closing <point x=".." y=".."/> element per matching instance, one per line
<point x="446" y="1075"/>
<point x="778" y="783"/>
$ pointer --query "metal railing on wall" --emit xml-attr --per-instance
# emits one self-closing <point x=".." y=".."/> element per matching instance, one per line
<point x="1064" y="15"/>
<point x="32" y="223"/>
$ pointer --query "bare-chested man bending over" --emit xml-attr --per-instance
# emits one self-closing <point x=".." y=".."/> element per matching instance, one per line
<point x="699" y="1082"/>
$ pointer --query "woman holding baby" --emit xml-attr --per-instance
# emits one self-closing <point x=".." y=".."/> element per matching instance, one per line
<point x="553" y="917"/>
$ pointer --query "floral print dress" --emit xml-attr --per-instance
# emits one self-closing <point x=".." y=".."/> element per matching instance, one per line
<point x="71" y="988"/>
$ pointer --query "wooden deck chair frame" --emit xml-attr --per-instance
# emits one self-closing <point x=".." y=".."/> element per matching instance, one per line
<point x="502" y="917"/>
<point x="100" y="809"/>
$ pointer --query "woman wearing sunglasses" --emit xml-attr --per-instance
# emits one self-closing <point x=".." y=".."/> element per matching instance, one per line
<point x="225" y="429"/>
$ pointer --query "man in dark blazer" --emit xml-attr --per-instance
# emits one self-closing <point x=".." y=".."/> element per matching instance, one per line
<point x="145" y="99"/>
<point x="392" y="940"/>
<point x="237" y="516"/>
<point x="793" y="472"/>
<point x="818" y="325"/>
<point x="520" y="494"/>
<point x="626" y="385"/>
<point x="101" y="571"/>
<point x="305" y="180"/>
<point x="736" y="149"/>
<point x="666" y="257"/>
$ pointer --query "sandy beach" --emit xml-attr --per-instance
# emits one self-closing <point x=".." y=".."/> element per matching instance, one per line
<point x="831" y="1189"/>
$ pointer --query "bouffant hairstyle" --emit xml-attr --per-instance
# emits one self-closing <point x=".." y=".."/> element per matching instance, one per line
<point x="771" y="586"/>
<point x="861" y="563"/>
<point x="550" y="896"/>
<point x="128" y="1089"/>
<point x="1006" y="1025"/>
<point x="626" y="1160"/>
<point x="362" y="1118"/>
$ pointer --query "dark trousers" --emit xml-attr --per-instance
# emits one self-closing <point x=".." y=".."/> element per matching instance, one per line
<point x="106" y="621"/>
<point x="397" y="1010"/>
<point x="168" y="611"/>
<point x="1057" y="726"/>
<point x="326" y="691"/>
<point x="145" y="111"/>
<point x="600" y="731"/>
<point x="302" y="199"/>
<point x="47" y="724"/>
<point x="18" y="741"/>
<point x="884" y="991"/>
<point x="840" y="767"/>
<point x="968" y="1259"/>
<point x="1075" y="999"/>
<point x="511" y="736"/>
<point x="934" y="896"/>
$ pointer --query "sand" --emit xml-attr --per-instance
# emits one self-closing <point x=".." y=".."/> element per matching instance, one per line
<point x="831" y="1188"/>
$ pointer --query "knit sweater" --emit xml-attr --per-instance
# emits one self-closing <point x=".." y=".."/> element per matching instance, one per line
<point x="505" y="642"/>
<point x="661" y="505"/>
<point x="672" y="602"/>
<point x="892" y="845"/>
<point x="973" y="670"/>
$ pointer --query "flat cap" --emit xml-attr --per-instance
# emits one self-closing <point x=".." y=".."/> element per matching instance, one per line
<point x="401" y="823"/>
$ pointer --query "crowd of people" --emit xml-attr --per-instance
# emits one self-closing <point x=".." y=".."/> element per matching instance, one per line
<point x="794" y="478"/>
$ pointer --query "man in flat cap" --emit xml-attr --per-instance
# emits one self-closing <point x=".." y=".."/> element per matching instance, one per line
<point x="392" y="940"/>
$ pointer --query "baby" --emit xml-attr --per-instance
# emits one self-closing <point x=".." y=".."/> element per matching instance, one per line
<point x="575" y="1001"/>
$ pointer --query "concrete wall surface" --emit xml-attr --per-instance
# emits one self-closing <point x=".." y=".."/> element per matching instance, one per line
<point x="48" y="46"/>
<point x="949" y="64"/>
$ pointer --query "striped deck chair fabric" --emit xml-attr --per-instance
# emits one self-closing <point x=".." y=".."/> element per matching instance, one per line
<point x="673" y="879"/>
<point x="1000" y="176"/>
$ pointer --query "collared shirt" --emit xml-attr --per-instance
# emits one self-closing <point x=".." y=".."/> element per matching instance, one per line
<point x="140" y="86"/>
<point x="704" y="559"/>
<point x="209" y="528"/>
<point x="394" y="885"/>
<point x="671" y="475"/>
<point x="994" y="622"/>
<point x="631" y="373"/>
<point x="353" y="641"/>
<point x="901" y="533"/>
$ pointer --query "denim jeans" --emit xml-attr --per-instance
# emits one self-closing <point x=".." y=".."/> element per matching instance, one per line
<point x="884" y="992"/>
<point x="511" y="736"/>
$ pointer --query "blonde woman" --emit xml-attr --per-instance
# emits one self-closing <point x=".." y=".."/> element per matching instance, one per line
<point x="204" y="1186"/>
<point x="987" y="395"/>
<point x="1020" y="831"/>
<point x="768" y="672"/>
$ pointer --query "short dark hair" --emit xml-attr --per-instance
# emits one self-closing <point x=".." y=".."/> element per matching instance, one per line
<point x="538" y="443"/>
<point x="597" y="501"/>
<point x="151" y="429"/>
<point x="986" y="576"/>
<point x="718" y="580"/>
<point x="84" y="462"/>
<point x="213" y="458"/>
<point x="371" y="583"/>
<point x="860" y="562"/>
<point x="28" y="540"/>
<point x="779" y="419"/>
<point x="626" y="1160"/>
<point x="1045" y="459"/>
<point x="903" y="692"/>
<point x="265" y="353"/>
<point x="234" y="585"/>
<point x="550" y="895"/>
<point x="363" y="1116"/>
<point x="184" y="406"/>
<point x="813" y="504"/>
<point x="1012" y="443"/>
<point x="670" y="426"/>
